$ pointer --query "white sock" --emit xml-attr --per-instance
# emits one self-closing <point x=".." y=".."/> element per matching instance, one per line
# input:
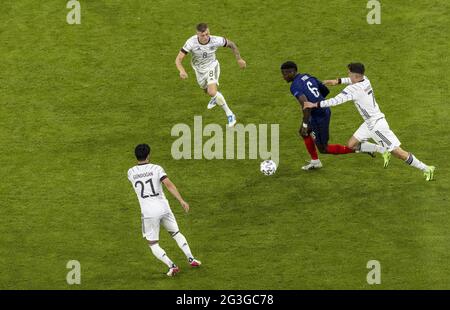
<point x="367" y="147"/>
<point x="161" y="255"/>
<point x="413" y="161"/>
<point x="223" y="103"/>
<point x="182" y="243"/>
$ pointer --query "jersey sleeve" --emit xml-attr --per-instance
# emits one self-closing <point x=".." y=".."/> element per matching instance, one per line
<point x="220" y="41"/>
<point x="187" y="47"/>
<point x="296" y="89"/>
<point x="129" y="175"/>
<point x="349" y="93"/>
<point x="345" y="81"/>
<point x="162" y="173"/>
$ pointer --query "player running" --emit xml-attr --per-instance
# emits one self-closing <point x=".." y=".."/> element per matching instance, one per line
<point x="305" y="87"/>
<point x="203" y="47"/>
<point x="375" y="125"/>
<point x="147" y="180"/>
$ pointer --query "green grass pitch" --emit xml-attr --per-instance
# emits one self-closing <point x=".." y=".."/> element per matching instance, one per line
<point x="76" y="99"/>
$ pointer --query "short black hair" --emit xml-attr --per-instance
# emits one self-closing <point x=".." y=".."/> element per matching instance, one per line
<point x="142" y="151"/>
<point x="289" y="65"/>
<point x="356" y="67"/>
<point x="202" y="27"/>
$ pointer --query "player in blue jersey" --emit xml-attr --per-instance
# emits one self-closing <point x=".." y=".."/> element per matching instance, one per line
<point x="316" y="122"/>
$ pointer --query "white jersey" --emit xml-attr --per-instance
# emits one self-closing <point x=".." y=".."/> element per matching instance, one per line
<point x="146" y="180"/>
<point x="203" y="55"/>
<point x="362" y="95"/>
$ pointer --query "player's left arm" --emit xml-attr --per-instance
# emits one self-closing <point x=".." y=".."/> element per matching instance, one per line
<point x="174" y="191"/>
<point x="241" y="62"/>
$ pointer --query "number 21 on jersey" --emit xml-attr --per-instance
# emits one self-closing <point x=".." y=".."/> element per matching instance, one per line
<point x="143" y="187"/>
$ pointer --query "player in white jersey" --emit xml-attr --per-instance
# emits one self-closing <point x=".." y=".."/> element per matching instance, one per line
<point x="203" y="47"/>
<point x="375" y="125"/>
<point x="147" y="180"/>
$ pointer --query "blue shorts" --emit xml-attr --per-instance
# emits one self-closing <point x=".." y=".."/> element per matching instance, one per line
<point x="320" y="127"/>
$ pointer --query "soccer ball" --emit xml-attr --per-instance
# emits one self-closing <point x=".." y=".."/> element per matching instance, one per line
<point x="268" y="167"/>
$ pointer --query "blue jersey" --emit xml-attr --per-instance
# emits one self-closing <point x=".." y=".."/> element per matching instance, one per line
<point x="313" y="90"/>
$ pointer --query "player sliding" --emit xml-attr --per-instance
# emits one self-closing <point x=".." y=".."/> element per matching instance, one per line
<point x="305" y="88"/>
<point x="203" y="47"/>
<point x="147" y="180"/>
<point x="375" y="125"/>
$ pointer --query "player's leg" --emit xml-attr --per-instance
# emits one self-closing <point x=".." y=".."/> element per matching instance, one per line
<point x="321" y="128"/>
<point x="310" y="145"/>
<point x="412" y="160"/>
<point x="202" y="80"/>
<point x="217" y="97"/>
<point x="367" y="147"/>
<point x="150" y="231"/>
<point x="170" y="224"/>
<point x="335" y="149"/>
<point x="162" y="256"/>
<point x="209" y="89"/>
<point x="387" y="137"/>
<point x="358" y="142"/>
<point x="354" y="143"/>
<point x="315" y="162"/>
<point x="319" y="133"/>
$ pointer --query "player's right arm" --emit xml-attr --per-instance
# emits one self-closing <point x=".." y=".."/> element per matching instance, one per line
<point x="178" y="63"/>
<point x="174" y="191"/>
<point x="345" y="81"/>
<point x="349" y="93"/>
<point x="306" y="115"/>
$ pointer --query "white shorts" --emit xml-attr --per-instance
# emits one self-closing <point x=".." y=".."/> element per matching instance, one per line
<point x="210" y="76"/>
<point x="151" y="226"/>
<point x="381" y="134"/>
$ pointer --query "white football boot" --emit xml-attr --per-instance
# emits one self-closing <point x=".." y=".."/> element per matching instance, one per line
<point x="212" y="103"/>
<point x="313" y="164"/>
<point x="231" y="120"/>
<point x="194" y="262"/>
<point x="173" y="271"/>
